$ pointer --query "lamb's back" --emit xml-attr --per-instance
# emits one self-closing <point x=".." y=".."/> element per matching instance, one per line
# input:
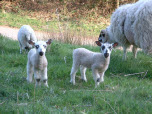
<point x="31" y="54"/>
<point x="87" y="58"/>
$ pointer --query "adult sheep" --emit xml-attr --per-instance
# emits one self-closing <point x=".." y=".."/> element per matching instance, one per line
<point x="143" y="27"/>
<point x="121" y="29"/>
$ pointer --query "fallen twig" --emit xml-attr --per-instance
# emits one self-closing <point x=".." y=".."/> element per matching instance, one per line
<point x="93" y="90"/>
<point x="2" y="102"/>
<point x="145" y="74"/>
<point x="134" y="74"/>
<point x="21" y="104"/>
<point x="82" y="106"/>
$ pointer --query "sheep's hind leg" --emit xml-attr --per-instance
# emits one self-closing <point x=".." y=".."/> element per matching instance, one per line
<point x="83" y="71"/>
<point x="20" y="47"/>
<point x="134" y="50"/>
<point x="29" y="72"/>
<point x="125" y="53"/>
<point x="73" y="73"/>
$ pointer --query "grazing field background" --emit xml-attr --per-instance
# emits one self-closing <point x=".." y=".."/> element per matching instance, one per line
<point x="118" y="93"/>
<point x="71" y="24"/>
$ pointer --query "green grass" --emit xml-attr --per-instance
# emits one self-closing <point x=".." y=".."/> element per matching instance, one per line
<point x="18" y="19"/>
<point x="118" y="94"/>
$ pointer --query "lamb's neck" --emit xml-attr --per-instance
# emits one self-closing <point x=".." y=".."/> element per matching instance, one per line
<point x="40" y="59"/>
<point x="107" y="60"/>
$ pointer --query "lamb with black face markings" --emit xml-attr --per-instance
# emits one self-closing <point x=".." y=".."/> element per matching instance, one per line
<point x="98" y="62"/>
<point x="37" y="62"/>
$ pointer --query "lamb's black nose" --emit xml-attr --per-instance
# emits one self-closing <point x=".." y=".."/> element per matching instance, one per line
<point x="41" y="53"/>
<point x="106" y="55"/>
<point x="100" y="39"/>
<point x="26" y="48"/>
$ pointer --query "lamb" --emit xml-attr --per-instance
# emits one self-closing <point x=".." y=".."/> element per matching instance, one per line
<point x="98" y="62"/>
<point x="25" y="34"/>
<point x="37" y="62"/>
<point x="132" y="29"/>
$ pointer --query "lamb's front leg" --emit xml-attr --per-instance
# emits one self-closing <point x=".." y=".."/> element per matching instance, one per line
<point x="73" y="73"/>
<point x="83" y="71"/>
<point x="101" y="77"/>
<point x="37" y="77"/>
<point x="45" y="77"/>
<point x="96" y="77"/>
<point x="134" y="50"/>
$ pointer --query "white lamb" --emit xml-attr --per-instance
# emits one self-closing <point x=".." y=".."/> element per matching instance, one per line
<point x="37" y="62"/>
<point x="25" y="34"/>
<point x="98" y="62"/>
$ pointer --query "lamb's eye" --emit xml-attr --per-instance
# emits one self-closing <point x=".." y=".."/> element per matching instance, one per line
<point x="37" y="46"/>
<point x="44" y="46"/>
<point x="110" y="47"/>
<point x="103" y="35"/>
<point x="103" y="47"/>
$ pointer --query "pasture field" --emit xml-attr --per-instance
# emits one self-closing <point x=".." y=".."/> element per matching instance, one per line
<point x="118" y="94"/>
<point x="57" y="24"/>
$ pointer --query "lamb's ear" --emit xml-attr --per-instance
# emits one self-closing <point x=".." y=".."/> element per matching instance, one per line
<point x="31" y="42"/>
<point x="49" y="42"/>
<point x="98" y="43"/>
<point x="115" y="44"/>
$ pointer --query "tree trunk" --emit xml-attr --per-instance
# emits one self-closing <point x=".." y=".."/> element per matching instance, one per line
<point x="117" y="5"/>
<point x="134" y="1"/>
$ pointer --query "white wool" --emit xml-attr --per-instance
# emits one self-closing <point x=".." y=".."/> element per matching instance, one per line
<point x="25" y="34"/>
<point x="130" y="19"/>
<point x="143" y="26"/>
<point x="116" y="29"/>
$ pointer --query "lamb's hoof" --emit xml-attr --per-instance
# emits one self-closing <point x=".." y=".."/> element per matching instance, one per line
<point x="97" y="84"/>
<point x="29" y="81"/>
<point x="72" y="82"/>
<point x="46" y="86"/>
<point x="84" y="80"/>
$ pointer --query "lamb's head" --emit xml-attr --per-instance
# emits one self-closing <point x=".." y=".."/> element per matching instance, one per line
<point x="40" y="46"/>
<point x="106" y="48"/>
<point x="103" y="36"/>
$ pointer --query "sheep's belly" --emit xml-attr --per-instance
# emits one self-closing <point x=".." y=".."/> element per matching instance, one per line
<point x="41" y="66"/>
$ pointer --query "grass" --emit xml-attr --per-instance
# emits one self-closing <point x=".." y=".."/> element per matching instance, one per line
<point x="118" y="94"/>
<point x="18" y="19"/>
